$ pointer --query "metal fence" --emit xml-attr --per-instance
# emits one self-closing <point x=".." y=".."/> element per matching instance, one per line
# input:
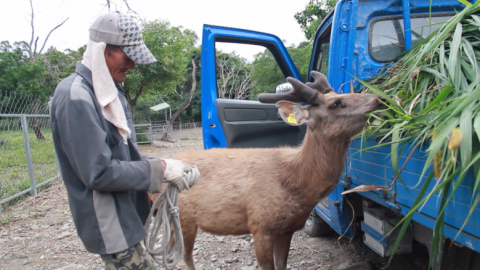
<point x="27" y="155"/>
<point x="149" y="132"/>
<point x="160" y="127"/>
<point x="144" y="133"/>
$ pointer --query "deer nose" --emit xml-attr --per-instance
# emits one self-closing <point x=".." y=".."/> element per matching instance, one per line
<point x="382" y="102"/>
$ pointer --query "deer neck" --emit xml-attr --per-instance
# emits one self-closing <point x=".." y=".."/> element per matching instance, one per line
<point x="317" y="165"/>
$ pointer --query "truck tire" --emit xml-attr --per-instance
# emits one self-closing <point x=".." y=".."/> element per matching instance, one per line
<point x="459" y="257"/>
<point x="315" y="226"/>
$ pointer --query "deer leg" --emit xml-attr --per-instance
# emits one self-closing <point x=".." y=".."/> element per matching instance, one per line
<point x="281" y="248"/>
<point x="264" y="250"/>
<point x="189" y="233"/>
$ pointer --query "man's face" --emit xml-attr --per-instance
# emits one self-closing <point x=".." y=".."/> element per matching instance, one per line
<point x="118" y="63"/>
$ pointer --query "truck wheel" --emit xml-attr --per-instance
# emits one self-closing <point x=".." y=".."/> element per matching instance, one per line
<point x="459" y="257"/>
<point x="315" y="226"/>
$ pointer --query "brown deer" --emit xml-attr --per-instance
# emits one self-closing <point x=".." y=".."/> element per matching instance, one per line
<point x="270" y="192"/>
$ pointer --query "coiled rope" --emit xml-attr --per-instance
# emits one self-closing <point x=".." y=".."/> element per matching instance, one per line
<point x="167" y="215"/>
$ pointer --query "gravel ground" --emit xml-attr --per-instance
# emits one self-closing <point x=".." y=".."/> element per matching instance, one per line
<point x="38" y="233"/>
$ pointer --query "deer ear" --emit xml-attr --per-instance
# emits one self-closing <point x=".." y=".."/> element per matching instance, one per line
<point x="292" y="113"/>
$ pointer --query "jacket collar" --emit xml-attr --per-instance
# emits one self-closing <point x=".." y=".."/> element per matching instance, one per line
<point x="120" y="88"/>
<point x="85" y="72"/>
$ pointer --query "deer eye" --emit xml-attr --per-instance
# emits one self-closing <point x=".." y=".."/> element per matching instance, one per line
<point x="334" y="105"/>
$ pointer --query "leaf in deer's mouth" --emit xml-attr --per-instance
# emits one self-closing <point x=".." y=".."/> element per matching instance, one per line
<point x="375" y="122"/>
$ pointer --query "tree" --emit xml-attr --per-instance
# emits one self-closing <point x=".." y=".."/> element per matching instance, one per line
<point x="18" y="73"/>
<point x="37" y="79"/>
<point x="234" y="78"/>
<point x="170" y="46"/>
<point x="23" y="70"/>
<point x="193" y="111"/>
<point x="32" y="46"/>
<point x="301" y="57"/>
<point x="267" y="73"/>
<point x="184" y="106"/>
<point x="175" y="99"/>
<point x="310" y="18"/>
<point x="109" y="4"/>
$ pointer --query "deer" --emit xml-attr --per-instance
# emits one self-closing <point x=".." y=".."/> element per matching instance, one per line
<point x="270" y="192"/>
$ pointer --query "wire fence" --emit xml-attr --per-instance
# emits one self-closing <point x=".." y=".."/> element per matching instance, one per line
<point x="27" y="155"/>
<point x="153" y="131"/>
<point x="149" y="132"/>
<point x="22" y="103"/>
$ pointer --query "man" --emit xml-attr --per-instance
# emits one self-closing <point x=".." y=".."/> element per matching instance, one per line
<point x="106" y="178"/>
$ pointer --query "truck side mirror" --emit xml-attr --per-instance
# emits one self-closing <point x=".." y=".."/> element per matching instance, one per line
<point x="283" y="88"/>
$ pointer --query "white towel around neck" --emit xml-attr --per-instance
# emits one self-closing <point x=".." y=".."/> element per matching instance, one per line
<point x="104" y="87"/>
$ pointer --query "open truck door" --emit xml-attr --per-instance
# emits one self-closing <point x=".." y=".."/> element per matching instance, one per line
<point x="237" y="123"/>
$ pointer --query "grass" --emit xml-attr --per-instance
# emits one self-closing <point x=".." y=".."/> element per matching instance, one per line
<point x="14" y="176"/>
<point x="6" y="219"/>
<point x="10" y="218"/>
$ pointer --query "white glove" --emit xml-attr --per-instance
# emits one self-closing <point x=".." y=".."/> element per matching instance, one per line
<point x="176" y="171"/>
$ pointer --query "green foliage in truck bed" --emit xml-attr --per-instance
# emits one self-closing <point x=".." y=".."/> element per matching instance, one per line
<point x="433" y="90"/>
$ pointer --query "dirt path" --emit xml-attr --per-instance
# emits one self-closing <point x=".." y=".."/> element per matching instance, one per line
<point x="38" y="233"/>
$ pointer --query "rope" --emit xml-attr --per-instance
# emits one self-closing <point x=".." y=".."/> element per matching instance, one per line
<point x="167" y="215"/>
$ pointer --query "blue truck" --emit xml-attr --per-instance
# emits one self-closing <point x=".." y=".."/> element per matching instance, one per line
<point x="355" y="40"/>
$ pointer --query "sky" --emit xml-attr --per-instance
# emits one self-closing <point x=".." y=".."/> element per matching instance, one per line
<point x="268" y="16"/>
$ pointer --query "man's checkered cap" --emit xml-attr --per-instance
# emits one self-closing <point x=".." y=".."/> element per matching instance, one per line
<point x="120" y="30"/>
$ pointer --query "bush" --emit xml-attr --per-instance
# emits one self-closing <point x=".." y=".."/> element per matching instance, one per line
<point x="142" y="138"/>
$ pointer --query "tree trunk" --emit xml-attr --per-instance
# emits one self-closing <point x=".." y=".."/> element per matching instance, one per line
<point x="34" y="123"/>
<point x="133" y="101"/>
<point x="184" y="106"/>
<point x="32" y="46"/>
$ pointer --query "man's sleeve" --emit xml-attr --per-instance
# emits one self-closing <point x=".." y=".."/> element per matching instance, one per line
<point x="84" y="142"/>
<point x="144" y="157"/>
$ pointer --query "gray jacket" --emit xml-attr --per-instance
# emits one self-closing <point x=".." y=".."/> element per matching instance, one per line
<point x="106" y="180"/>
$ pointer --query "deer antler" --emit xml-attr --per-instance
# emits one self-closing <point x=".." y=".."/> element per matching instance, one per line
<point x="299" y="93"/>
<point x="307" y="93"/>
<point x="320" y="83"/>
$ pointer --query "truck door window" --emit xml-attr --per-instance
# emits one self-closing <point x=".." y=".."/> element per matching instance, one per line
<point x="244" y="76"/>
<point x="323" y="63"/>
<point x="387" y="38"/>
<point x="322" y="51"/>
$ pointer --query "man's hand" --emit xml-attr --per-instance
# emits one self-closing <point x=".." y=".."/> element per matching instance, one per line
<point x="176" y="170"/>
<point x="164" y="165"/>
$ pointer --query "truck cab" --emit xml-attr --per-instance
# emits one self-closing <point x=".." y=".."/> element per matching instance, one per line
<point x="355" y="40"/>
